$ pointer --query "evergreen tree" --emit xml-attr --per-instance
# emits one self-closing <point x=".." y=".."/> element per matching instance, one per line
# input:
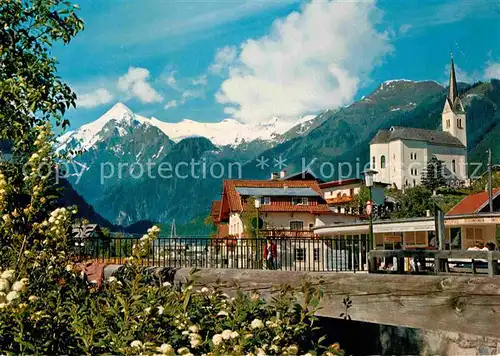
<point x="432" y="175"/>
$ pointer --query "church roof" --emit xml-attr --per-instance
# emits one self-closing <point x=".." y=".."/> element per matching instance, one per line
<point x="452" y="90"/>
<point x="434" y="137"/>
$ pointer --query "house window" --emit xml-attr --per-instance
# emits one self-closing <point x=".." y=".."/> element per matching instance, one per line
<point x="453" y="166"/>
<point x="373" y="162"/>
<point x="311" y="226"/>
<point x="296" y="225"/>
<point x="265" y="200"/>
<point x="316" y="254"/>
<point x="300" y="201"/>
<point x="351" y="192"/>
<point x="382" y="162"/>
<point x="300" y="254"/>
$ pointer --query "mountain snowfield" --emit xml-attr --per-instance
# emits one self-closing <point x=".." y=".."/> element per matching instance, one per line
<point x="228" y="132"/>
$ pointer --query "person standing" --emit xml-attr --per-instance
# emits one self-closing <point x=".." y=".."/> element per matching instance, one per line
<point x="270" y="254"/>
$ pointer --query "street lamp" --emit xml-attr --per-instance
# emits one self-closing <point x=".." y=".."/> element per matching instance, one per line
<point x="257" y="206"/>
<point x="369" y="173"/>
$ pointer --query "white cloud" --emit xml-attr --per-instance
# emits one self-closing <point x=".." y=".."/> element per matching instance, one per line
<point x="224" y="58"/>
<point x="201" y="80"/>
<point x="492" y="71"/>
<point x="170" y="79"/>
<point x="171" y="104"/>
<point x="403" y="29"/>
<point x="311" y="60"/>
<point x="93" y="99"/>
<point x="135" y="83"/>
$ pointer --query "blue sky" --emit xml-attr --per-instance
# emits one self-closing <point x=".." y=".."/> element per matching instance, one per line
<point x="256" y="59"/>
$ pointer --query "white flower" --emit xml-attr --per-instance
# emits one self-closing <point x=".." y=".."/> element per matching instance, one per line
<point x="19" y="286"/>
<point x="308" y="354"/>
<point x="183" y="351"/>
<point x="69" y="267"/>
<point x="222" y="313"/>
<point x="136" y="344"/>
<point x="194" y="329"/>
<point x="13" y="295"/>
<point x="226" y="334"/>
<point x="234" y="335"/>
<point x="160" y="310"/>
<point x="185" y="332"/>
<point x="4" y="285"/>
<point x="217" y="339"/>
<point x="8" y="274"/>
<point x="261" y="352"/>
<point x="292" y="349"/>
<point x="111" y="279"/>
<point x="275" y="348"/>
<point x="167" y="284"/>
<point x="248" y="336"/>
<point x="257" y="324"/>
<point x="166" y="349"/>
<point x="195" y="340"/>
<point x="205" y="290"/>
<point x="148" y="310"/>
<point x="33" y="298"/>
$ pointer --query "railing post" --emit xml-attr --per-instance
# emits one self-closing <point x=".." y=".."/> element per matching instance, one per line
<point x="492" y="265"/>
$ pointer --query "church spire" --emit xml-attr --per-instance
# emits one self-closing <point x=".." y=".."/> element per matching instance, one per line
<point x="453" y="92"/>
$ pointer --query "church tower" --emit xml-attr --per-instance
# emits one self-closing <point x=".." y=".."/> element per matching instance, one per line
<point x="454" y="113"/>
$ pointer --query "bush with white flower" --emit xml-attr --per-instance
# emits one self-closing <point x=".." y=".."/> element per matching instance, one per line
<point x="46" y="305"/>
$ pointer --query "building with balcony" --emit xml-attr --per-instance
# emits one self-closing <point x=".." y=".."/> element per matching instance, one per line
<point x="287" y="207"/>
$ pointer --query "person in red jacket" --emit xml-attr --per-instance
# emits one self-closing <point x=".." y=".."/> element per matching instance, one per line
<point x="270" y="254"/>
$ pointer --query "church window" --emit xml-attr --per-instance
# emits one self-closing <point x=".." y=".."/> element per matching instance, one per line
<point x="411" y="155"/>
<point x="382" y="162"/>
<point x="373" y="162"/>
<point x="415" y="156"/>
<point x="414" y="183"/>
<point x="448" y="124"/>
<point x="454" y="166"/>
<point x="393" y="156"/>
<point x="459" y="123"/>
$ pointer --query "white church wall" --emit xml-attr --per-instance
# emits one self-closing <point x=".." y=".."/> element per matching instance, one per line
<point x="415" y="156"/>
<point x="449" y="154"/>
<point x="377" y="151"/>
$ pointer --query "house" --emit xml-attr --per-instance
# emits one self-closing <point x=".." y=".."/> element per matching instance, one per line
<point x="400" y="154"/>
<point x="295" y="206"/>
<point x="470" y="221"/>
<point x="340" y="194"/>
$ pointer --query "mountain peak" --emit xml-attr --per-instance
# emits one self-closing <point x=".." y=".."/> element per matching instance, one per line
<point x="118" y="111"/>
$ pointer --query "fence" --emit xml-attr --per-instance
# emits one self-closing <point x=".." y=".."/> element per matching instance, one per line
<point x="288" y="254"/>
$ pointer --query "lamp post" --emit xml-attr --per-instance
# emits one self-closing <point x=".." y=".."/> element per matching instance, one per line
<point x="257" y="206"/>
<point x="257" y="242"/>
<point x="369" y="173"/>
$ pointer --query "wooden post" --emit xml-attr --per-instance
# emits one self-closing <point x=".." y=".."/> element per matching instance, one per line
<point x="492" y="265"/>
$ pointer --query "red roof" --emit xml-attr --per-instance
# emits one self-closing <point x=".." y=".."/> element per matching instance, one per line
<point x="340" y="183"/>
<point x="215" y="210"/>
<point x="234" y="198"/>
<point x="473" y="204"/>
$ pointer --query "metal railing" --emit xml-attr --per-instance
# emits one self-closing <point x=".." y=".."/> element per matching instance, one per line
<point x="287" y="254"/>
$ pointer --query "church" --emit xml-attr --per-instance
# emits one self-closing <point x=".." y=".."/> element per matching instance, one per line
<point x="400" y="154"/>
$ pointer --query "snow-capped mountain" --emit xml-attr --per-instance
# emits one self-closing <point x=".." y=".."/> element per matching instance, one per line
<point x="228" y="132"/>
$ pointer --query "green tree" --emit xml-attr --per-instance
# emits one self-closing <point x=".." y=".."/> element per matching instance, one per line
<point x="31" y="92"/>
<point x="413" y="202"/>
<point x="432" y="175"/>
